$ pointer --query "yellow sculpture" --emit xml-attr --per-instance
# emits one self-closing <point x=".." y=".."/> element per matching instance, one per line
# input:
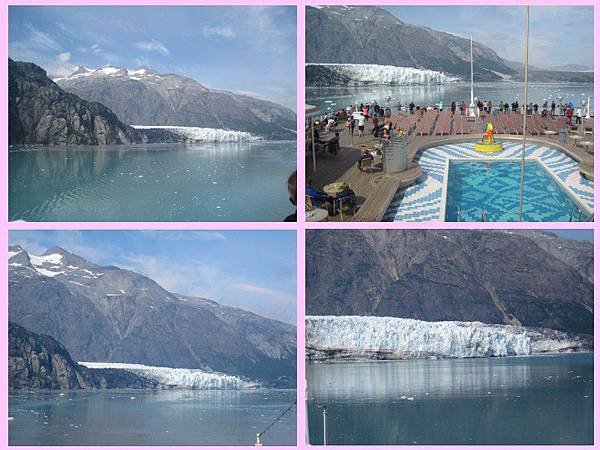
<point x="488" y="144"/>
<point x="488" y="137"/>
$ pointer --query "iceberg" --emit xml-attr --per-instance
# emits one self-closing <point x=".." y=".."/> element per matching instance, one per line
<point x="177" y="378"/>
<point x="197" y="134"/>
<point x="376" y="74"/>
<point x="362" y="338"/>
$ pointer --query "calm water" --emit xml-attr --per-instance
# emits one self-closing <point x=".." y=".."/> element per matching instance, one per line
<point x="494" y="186"/>
<point x="340" y="98"/>
<point x="151" y="418"/>
<point x="528" y="400"/>
<point x="203" y="182"/>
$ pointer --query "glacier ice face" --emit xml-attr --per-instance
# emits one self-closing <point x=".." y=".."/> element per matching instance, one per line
<point x="197" y="134"/>
<point x="176" y="378"/>
<point x="361" y="338"/>
<point x="377" y="74"/>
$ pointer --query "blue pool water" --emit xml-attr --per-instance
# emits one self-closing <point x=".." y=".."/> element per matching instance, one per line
<point x="493" y="187"/>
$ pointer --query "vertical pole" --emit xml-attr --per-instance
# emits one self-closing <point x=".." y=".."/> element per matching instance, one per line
<point x="587" y="116"/>
<point x="472" y="104"/>
<point x="524" y="115"/>
<point x="324" y="425"/>
<point x="312" y="133"/>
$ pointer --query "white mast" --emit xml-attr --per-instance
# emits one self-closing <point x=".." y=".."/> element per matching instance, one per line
<point x="587" y="116"/>
<point x="472" y="104"/>
<point x="524" y="114"/>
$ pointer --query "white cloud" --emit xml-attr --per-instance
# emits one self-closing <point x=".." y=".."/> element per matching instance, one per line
<point x="64" y="57"/>
<point x="218" y="31"/>
<point x="273" y="294"/>
<point x="153" y="46"/>
<point x="40" y="40"/>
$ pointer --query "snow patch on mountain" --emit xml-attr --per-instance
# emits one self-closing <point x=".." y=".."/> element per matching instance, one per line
<point x="360" y="337"/>
<point x="54" y="258"/>
<point x="197" y="134"/>
<point x="176" y="378"/>
<point x="376" y="74"/>
<point x="111" y="71"/>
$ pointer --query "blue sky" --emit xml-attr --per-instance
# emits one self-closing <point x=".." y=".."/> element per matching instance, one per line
<point x="580" y="235"/>
<point x="253" y="270"/>
<point x="247" y="49"/>
<point x="557" y="34"/>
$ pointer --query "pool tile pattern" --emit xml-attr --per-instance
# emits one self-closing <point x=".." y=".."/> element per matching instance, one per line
<point x="423" y="201"/>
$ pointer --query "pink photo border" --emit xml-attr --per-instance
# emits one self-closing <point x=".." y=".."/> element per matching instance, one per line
<point x="300" y="227"/>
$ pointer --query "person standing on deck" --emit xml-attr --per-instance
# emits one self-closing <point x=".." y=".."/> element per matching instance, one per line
<point x="506" y="108"/>
<point x="375" y="122"/>
<point x="569" y="114"/>
<point x="578" y="115"/>
<point x="351" y="125"/>
<point x="361" y="125"/>
<point x="411" y="107"/>
<point x="552" y="108"/>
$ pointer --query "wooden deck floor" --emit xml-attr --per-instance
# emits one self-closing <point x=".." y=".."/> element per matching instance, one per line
<point x="374" y="190"/>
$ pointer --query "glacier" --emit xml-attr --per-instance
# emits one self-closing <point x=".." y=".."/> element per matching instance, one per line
<point x="377" y="74"/>
<point x="197" y="134"/>
<point x="362" y="338"/>
<point x="177" y="378"/>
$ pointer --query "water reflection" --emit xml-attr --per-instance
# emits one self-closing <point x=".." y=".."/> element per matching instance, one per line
<point x="150" y="417"/>
<point x="529" y="400"/>
<point x="233" y="181"/>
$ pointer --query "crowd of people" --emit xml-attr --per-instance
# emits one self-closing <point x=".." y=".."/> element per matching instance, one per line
<point x="359" y="115"/>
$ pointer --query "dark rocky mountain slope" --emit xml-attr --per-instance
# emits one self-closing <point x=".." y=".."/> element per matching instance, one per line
<point x="41" y="362"/>
<point x="108" y="314"/>
<point x="40" y="112"/>
<point x="433" y="275"/>
<point x="146" y="97"/>
<point x="371" y="35"/>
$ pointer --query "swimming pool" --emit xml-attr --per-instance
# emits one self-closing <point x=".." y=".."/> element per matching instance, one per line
<point x="554" y="190"/>
<point x="489" y="190"/>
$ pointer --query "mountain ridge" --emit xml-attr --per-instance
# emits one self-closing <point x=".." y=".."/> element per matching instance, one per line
<point x="439" y="275"/>
<point x="40" y="112"/>
<point x="373" y="35"/>
<point x="126" y="317"/>
<point x="147" y="97"/>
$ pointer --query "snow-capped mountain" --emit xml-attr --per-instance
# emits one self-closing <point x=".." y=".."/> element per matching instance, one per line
<point x="108" y="314"/>
<point x="362" y="338"/>
<point x="40" y="112"/>
<point x="148" y="98"/>
<point x="374" y="74"/>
